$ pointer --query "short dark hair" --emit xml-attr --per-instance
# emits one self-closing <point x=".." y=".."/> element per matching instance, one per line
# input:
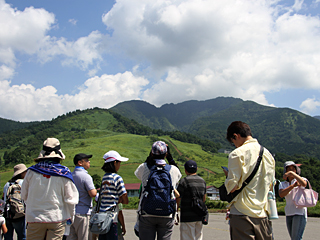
<point x="160" y="156"/>
<point x="109" y="167"/>
<point x="16" y="178"/>
<point x="238" y="127"/>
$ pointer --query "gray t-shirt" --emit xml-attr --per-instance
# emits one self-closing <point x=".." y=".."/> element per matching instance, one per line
<point x="84" y="183"/>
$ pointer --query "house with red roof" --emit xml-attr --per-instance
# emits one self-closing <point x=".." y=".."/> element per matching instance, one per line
<point x="132" y="189"/>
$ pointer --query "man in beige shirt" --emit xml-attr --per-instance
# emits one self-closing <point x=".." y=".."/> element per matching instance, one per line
<point x="248" y="216"/>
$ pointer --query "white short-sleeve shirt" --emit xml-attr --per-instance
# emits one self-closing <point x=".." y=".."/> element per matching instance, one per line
<point x="290" y="208"/>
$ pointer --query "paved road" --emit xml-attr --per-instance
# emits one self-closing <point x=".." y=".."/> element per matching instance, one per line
<point x="219" y="229"/>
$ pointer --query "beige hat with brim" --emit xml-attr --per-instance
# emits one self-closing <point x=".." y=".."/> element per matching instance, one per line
<point x="18" y="169"/>
<point x="51" y="149"/>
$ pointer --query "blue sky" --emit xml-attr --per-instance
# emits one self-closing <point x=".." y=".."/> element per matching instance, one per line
<point x="59" y="56"/>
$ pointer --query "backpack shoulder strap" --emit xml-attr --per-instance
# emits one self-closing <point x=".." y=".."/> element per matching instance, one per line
<point x="188" y="187"/>
<point x="9" y="189"/>
<point x="167" y="167"/>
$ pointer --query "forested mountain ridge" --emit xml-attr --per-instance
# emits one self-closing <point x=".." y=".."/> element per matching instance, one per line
<point x="317" y="117"/>
<point x="276" y="128"/>
<point x="7" y="125"/>
<point x="22" y="145"/>
<point x="282" y="130"/>
<point x="173" y="116"/>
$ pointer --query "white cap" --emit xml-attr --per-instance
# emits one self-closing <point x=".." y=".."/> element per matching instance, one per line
<point x="113" y="156"/>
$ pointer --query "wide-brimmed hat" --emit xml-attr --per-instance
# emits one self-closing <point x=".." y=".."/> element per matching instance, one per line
<point x="291" y="163"/>
<point x="51" y="149"/>
<point x="159" y="148"/>
<point x="113" y="156"/>
<point x="18" y="169"/>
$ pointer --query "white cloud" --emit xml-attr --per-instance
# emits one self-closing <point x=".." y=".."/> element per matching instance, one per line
<point x="26" y="103"/>
<point x="82" y="53"/>
<point x="298" y="4"/>
<point x="73" y="21"/>
<point x="251" y="47"/>
<point x="27" y="32"/>
<point x="310" y="105"/>
<point x="187" y="49"/>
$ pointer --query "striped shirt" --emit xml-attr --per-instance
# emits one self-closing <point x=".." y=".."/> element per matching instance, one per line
<point x="196" y="185"/>
<point x="112" y="189"/>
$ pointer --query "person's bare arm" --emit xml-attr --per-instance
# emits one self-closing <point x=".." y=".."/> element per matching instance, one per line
<point x="124" y="199"/>
<point x="178" y="202"/>
<point x="92" y="193"/>
<point x="4" y="228"/>
<point x="121" y="220"/>
<point x="284" y="192"/>
<point x="299" y="179"/>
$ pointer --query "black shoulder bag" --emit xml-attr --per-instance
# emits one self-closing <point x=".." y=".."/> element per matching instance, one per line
<point x="224" y="196"/>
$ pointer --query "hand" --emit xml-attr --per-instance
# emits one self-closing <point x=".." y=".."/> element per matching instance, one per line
<point x="296" y="184"/>
<point x="288" y="174"/>
<point x="124" y="231"/>
<point x="225" y="172"/>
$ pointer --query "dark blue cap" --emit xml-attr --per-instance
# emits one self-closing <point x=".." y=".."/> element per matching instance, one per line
<point x="191" y="166"/>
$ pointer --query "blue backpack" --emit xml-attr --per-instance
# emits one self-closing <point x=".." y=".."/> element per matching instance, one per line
<point x="158" y="197"/>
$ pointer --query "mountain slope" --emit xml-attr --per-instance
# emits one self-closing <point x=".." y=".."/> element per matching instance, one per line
<point x="9" y="125"/>
<point x="144" y="113"/>
<point x="24" y="144"/>
<point x="173" y="116"/>
<point x="279" y="129"/>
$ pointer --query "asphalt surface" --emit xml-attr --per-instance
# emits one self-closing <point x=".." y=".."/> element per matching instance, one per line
<point x="218" y="227"/>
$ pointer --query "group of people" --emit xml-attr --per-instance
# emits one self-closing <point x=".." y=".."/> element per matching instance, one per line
<point x="59" y="202"/>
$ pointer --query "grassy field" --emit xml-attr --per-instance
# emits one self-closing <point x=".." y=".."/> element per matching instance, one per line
<point x="136" y="148"/>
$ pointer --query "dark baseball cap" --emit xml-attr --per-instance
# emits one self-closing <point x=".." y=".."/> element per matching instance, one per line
<point x="79" y="157"/>
<point x="191" y="166"/>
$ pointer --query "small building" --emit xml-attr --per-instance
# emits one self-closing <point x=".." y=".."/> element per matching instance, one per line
<point x="224" y="151"/>
<point x="213" y="193"/>
<point x="132" y="189"/>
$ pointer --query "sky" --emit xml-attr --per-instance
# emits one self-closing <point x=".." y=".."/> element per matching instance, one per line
<point x="59" y="56"/>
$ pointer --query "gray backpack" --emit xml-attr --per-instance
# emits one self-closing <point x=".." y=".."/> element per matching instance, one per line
<point x="14" y="206"/>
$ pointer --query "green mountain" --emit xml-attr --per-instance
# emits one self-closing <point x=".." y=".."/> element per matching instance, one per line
<point x="9" y="125"/>
<point x="23" y="145"/>
<point x="95" y="131"/>
<point x="173" y="116"/>
<point x="282" y="130"/>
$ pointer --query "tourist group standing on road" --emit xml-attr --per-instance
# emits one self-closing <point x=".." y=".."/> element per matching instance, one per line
<point x="48" y="201"/>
